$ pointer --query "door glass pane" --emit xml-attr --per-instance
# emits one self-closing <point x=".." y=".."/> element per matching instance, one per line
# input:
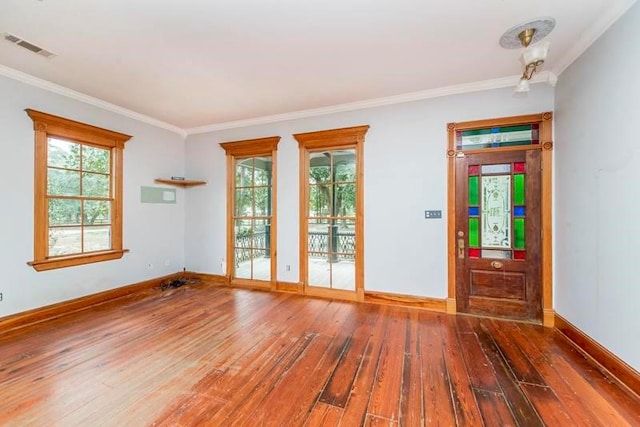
<point x="262" y="249"/>
<point x="320" y="200"/>
<point x="261" y="234"/>
<point x="492" y="253"/>
<point x="243" y="233"/>
<point x="489" y="169"/>
<point x="319" y="271"/>
<point x="262" y="171"/>
<point x="345" y="237"/>
<point x="345" y="200"/>
<point x="344" y="165"/>
<point x="473" y="191"/>
<point x="520" y="255"/>
<point x="262" y="201"/>
<point x="343" y="249"/>
<point x="518" y="189"/>
<point x="243" y="259"/>
<point x="319" y="253"/>
<point x="319" y="167"/>
<point x="244" y="201"/>
<point x="496" y="211"/>
<point x="243" y="252"/>
<point x="474" y="234"/>
<point x="318" y="238"/>
<point x="518" y="233"/>
<point x="244" y="173"/>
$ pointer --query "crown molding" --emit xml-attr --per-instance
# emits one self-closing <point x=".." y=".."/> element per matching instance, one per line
<point x="78" y="96"/>
<point x="544" y="77"/>
<point x="511" y="81"/>
<point x="589" y="36"/>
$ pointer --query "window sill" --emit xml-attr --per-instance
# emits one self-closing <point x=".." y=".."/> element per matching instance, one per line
<point x="70" y="261"/>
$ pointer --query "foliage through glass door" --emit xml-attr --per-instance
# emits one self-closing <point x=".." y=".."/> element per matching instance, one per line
<point x="332" y="218"/>
<point x="252" y="218"/>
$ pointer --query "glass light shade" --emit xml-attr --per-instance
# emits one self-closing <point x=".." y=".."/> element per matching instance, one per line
<point x="523" y="86"/>
<point x="535" y="53"/>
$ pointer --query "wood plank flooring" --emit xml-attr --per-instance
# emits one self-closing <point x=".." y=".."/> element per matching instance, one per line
<point x="215" y="356"/>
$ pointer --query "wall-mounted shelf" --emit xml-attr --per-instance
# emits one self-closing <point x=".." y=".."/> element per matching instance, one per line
<point x="180" y="182"/>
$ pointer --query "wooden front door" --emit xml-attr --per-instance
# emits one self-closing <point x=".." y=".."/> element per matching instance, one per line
<point x="498" y="234"/>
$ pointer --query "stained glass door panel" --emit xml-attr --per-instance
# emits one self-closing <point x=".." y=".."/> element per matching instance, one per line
<point x="497" y="224"/>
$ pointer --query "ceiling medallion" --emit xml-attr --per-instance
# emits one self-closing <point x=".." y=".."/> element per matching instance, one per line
<point x="528" y="36"/>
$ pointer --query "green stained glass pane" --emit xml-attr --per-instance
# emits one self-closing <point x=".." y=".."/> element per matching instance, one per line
<point x="473" y="191"/>
<point x="518" y="233"/>
<point x="474" y="238"/>
<point x="518" y="189"/>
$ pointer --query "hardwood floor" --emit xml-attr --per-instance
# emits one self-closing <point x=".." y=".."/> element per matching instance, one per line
<point x="207" y="355"/>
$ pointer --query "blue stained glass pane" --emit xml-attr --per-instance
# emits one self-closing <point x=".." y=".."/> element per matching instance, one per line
<point x="474" y="211"/>
<point x="519" y="211"/>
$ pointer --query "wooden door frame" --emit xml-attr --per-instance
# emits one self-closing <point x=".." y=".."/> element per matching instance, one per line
<point x="545" y="121"/>
<point x="352" y="137"/>
<point x="241" y="149"/>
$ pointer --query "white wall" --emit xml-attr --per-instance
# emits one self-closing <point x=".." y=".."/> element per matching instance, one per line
<point x="153" y="233"/>
<point x="597" y="281"/>
<point x="405" y="174"/>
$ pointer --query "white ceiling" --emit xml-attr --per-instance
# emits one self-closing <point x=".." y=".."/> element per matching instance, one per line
<point x="193" y="63"/>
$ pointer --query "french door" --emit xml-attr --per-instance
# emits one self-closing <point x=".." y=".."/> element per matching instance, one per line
<point x="251" y="211"/>
<point x="331" y="212"/>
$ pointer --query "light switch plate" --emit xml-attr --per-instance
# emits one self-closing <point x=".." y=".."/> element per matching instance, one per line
<point x="432" y="214"/>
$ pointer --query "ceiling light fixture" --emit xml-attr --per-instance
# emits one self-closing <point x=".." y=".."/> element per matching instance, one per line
<point x="528" y="36"/>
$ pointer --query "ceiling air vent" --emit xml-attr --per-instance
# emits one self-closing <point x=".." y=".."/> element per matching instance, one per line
<point x="29" y="46"/>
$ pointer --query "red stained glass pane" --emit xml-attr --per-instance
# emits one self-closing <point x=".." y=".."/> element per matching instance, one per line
<point x="474" y="169"/>
<point x="474" y="253"/>
<point x="519" y="167"/>
<point x="535" y="139"/>
<point x="519" y="255"/>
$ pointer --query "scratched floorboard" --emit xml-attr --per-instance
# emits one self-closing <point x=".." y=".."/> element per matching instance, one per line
<point x="209" y="355"/>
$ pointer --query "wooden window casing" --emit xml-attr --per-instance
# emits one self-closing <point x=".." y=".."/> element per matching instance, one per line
<point x="49" y="126"/>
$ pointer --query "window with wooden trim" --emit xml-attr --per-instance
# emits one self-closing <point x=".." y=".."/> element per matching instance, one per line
<point x="331" y="212"/>
<point x="251" y="211"/>
<point x="78" y="192"/>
